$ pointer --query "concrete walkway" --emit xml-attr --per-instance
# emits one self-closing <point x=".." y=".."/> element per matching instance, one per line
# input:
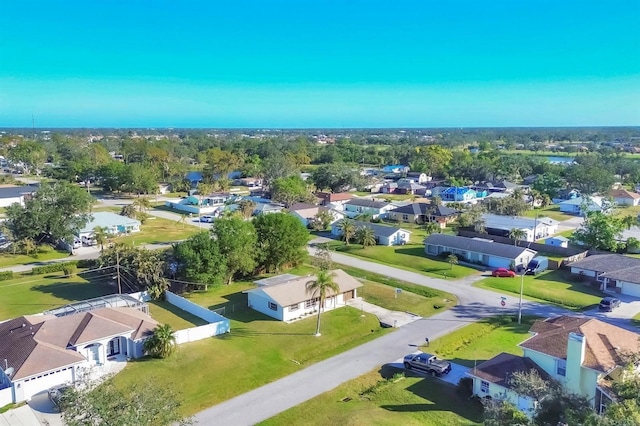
<point x="21" y="416"/>
<point x="386" y="317"/>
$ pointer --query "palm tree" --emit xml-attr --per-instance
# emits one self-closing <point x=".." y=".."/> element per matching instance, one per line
<point x="366" y="236"/>
<point x="162" y="343"/>
<point x="453" y="260"/>
<point x="246" y="207"/>
<point x="128" y="210"/>
<point x="224" y="184"/>
<point x="517" y="234"/>
<point x="629" y="221"/>
<point x="431" y="228"/>
<point x="142" y="204"/>
<point x="348" y="229"/>
<point x="101" y="236"/>
<point x="319" y="289"/>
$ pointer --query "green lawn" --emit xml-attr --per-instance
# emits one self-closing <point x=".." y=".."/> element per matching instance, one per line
<point x="33" y="294"/>
<point x="178" y="319"/>
<point x="552" y="212"/>
<point x="374" y="399"/>
<point x="44" y="253"/>
<point x="411" y="257"/>
<point x="636" y="320"/>
<point x="556" y="287"/>
<point x="158" y="230"/>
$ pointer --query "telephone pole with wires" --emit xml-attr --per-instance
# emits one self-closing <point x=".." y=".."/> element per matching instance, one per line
<point x="118" y="271"/>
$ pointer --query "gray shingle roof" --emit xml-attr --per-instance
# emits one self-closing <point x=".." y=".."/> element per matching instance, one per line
<point x="365" y="202"/>
<point x="380" y="230"/>
<point x="16" y="191"/>
<point x="606" y="262"/>
<point x="420" y="208"/>
<point x="487" y="247"/>
<point x="500" y="368"/>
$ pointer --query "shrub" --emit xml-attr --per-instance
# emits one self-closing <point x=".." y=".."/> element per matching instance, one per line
<point x="86" y="263"/>
<point x="6" y="275"/>
<point x="465" y="387"/>
<point x="54" y="267"/>
<point x="70" y="269"/>
<point x="437" y="306"/>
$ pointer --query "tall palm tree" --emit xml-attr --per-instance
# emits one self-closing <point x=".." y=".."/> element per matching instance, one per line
<point x="319" y="288"/>
<point x="366" y="236"/>
<point x="142" y="204"/>
<point x="453" y="260"/>
<point x="101" y="236"/>
<point x="431" y="228"/>
<point x="348" y="229"/>
<point x="246" y="207"/>
<point x="517" y="234"/>
<point x="629" y="221"/>
<point x="162" y="343"/>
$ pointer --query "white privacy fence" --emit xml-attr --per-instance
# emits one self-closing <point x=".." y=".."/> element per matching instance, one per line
<point x="217" y="323"/>
<point x="6" y="396"/>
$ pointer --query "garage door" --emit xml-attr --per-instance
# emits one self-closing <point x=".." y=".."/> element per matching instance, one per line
<point x="46" y="381"/>
<point x="631" y="289"/>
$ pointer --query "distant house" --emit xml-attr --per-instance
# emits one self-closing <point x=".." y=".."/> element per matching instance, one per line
<point x="250" y="182"/>
<point x="366" y="206"/>
<point x="566" y="194"/>
<point x="113" y="223"/>
<point x="286" y="297"/>
<point x="534" y="228"/>
<point x="557" y="241"/>
<point x="614" y="272"/>
<point x="395" y="168"/>
<point x="389" y="187"/>
<point x="16" y="194"/>
<point x="409" y="187"/>
<point x="419" y="177"/>
<point x="460" y="194"/>
<point x="498" y="186"/>
<point x="484" y="252"/>
<point x="164" y="188"/>
<point x="581" y="205"/>
<point x="334" y="201"/>
<point x="194" y="177"/>
<point x="423" y="212"/>
<point x="384" y="235"/>
<point x="306" y="213"/>
<point x="265" y="208"/>
<point x="623" y="197"/>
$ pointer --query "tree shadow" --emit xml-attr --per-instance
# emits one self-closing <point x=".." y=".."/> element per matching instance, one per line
<point x="74" y="291"/>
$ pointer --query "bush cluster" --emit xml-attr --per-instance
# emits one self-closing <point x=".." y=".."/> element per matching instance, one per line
<point x="54" y="267"/>
<point x="6" y="275"/>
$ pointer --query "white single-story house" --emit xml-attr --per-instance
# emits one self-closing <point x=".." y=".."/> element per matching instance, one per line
<point x="615" y="272"/>
<point x="15" y="194"/>
<point x="306" y="213"/>
<point x="575" y="205"/>
<point x="164" y="187"/>
<point x="367" y="206"/>
<point x="557" y="241"/>
<point x="209" y="204"/>
<point x="623" y="197"/>
<point x="419" y="177"/>
<point x="534" y="228"/>
<point x="286" y="297"/>
<point x="385" y="235"/>
<point x="477" y="250"/>
<point x="42" y="351"/>
<point x="114" y="224"/>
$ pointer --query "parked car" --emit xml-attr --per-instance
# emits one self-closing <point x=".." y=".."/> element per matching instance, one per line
<point x="206" y="219"/>
<point x="56" y="395"/>
<point x="608" y="304"/>
<point x="538" y="264"/>
<point x="88" y="240"/>
<point x="427" y="363"/>
<point x="503" y="272"/>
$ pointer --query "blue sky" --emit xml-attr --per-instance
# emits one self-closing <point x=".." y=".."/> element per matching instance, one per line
<point x="306" y="63"/>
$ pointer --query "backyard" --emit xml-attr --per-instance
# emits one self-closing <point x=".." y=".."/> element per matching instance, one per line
<point x="45" y="252"/>
<point x="552" y="211"/>
<point x="556" y="287"/>
<point x="381" y="398"/>
<point x="157" y="230"/>
<point x="411" y="257"/>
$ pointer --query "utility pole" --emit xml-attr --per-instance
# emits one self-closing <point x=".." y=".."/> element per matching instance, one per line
<point x="118" y="271"/>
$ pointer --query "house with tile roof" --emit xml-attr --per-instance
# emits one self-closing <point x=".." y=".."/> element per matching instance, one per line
<point x="622" y="197"/>
<point x="286" y="297"/>
<point x="41" y="351"/>
<point x="423" y="212"/>
<point x="616" y="273"/>
<point x="306" y="213"/>
<point x="583" y="354"/>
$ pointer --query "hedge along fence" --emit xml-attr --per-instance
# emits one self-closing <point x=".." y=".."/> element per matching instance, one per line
<point x="6" y="275"/>
<point x="54" y="267"/>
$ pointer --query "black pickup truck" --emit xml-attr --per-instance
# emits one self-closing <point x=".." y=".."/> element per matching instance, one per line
<point x="427" y="363"/>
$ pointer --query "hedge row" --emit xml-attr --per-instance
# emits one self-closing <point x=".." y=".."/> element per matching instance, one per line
<point x="6" y="275"/>
<point x="54" y="267"/>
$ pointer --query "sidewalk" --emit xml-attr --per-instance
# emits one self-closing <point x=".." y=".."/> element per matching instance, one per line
<point x="386" y="317"/>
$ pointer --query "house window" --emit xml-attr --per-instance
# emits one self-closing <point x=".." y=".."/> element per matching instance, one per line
<point x="484" y="386"/>
<point x="273" y="306"/>
<point x="405" y="217"/>
<point x="561" y="367"/>
<point x="294" y="307"/>
<point x="113" y="347"/>
<point x="310" y="303"/>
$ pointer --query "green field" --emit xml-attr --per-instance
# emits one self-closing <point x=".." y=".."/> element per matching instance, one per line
<point x="410" y="257"/>
<point x="552" y="212"/>
<point x="556" y="287"/>
<point x="157" y="230"/>
<point x="166" y="313"/>
<point x="44" y="254"/>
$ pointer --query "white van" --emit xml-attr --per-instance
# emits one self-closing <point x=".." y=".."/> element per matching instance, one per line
<point x="88" y="240"/>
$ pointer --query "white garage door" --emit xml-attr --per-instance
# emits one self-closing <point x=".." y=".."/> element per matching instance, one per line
<point x="631" y="289"/>
<point x="46" y="381"/>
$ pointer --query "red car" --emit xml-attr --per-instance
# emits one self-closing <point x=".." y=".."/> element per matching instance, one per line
<point x="503" y="272"/>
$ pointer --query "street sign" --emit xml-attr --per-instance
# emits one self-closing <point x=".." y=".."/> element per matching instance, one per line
<point x="503" y="301"/>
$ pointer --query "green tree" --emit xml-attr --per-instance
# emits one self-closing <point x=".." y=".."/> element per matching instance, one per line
<point x="246" y="207"/>
<point x="237" y="241"/>
<point x="431" y="228"/>
<point x="452" y="259"/>
<point x="31" y="153"/>
<point x="220" y="163"/>
<point x="113" y="176"/>
<point x="322" y="220"/>
<point x="322" y="257"/>
<point x="162" y="343"/>
<point x="100" y="233"/>
<point x="57" y="211"/>
<point x="129" y="210"/>
<point x="140" y="179"/>
<point x="142" y="204"/>
<point x="599" y="231"/>
<point x="366" y="236"/>
<point x="336" y="177"/>
<point x="199" y="260"/>
<point x="27" y="246"/>
<point x="289" y="190"/>
<point x="320" y="288"/>
<point x="144" y="402"/>
<point x="517" y="234"/>
<point x="281" y="240"/>
<point x="347" y="229"/>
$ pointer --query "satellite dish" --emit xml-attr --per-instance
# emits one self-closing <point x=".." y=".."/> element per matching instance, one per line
<point x="9" y="371"/>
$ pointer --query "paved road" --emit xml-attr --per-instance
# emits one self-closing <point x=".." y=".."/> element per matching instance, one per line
<point x="278" y="396"/>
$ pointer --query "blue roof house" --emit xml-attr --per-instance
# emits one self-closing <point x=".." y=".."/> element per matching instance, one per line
<point x="113" y="223"/>
<point x="395" y="168"/>
<point x="455" y="193"/>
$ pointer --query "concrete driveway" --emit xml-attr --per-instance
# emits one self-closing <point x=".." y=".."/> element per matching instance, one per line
<point x="629" y="307"/>
<point x="386" y="317"/>
<point x="44" y="410"/>
<point x="21" y="416"/>
<point x="453" y="377"/>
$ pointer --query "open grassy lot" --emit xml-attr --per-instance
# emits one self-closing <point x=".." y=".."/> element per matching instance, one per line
<point x="44" y="253"/>
<point x="257" y="351"/>
<point x="33" y="294"/>
<point x="552" y="211"/>
<point x="158" y="230"/>
<point x="178" y="319"/>
<point x="555" y="287"/>
<point x="411" y="257"/>
<point x="374" y="399"/>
